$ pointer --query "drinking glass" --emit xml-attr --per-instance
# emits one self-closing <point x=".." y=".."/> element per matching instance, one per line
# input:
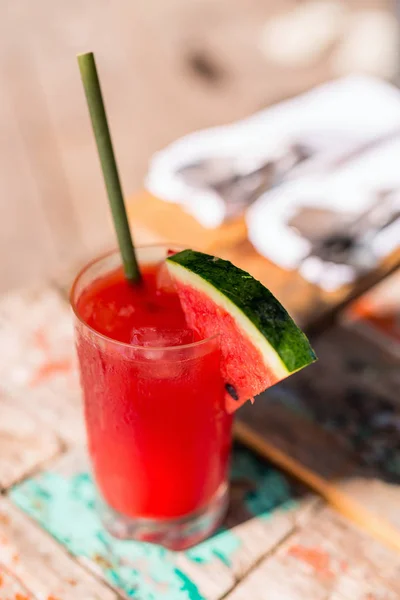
<point x="159" y="438"/>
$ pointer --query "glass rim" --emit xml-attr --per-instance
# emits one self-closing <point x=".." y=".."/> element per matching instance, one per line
<point x="108" y="339"/>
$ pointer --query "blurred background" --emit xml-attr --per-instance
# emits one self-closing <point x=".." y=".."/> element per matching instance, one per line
<point x="168" y="67"/>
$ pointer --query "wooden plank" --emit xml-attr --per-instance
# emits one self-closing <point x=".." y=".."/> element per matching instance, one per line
<point x="376" y="494"/>
<point x="166" y="222"/>
<point x="25" y="443"/>
<point x="41" y="566"/>
<point x="11" y="588"/>
<point x="375" y="315"/>
<point x="328" y="559"/>
<point x="48" y="181"/>
<point x="335" y="426"/>
<point x="24" y="236"/>
<point x="59" y="409"/>
<point x="38" y="368"/>
<point x="321" y="452"/>
<point x="36" y="337"/>
<point x="265" y="508"/>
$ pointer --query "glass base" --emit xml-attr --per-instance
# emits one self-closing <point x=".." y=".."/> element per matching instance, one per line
<point x="175" y="534"/>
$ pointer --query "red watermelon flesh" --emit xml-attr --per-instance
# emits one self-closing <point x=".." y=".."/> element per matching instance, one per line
<point x="260" y="343"/>
<point x="242" y="366"/>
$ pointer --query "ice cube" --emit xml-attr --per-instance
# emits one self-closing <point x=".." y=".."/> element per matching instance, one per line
<point x="154" y="337"/>
<point x="164" y="280"/>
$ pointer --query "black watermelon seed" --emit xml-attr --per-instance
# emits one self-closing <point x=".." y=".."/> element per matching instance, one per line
<point x="231" y="391"/>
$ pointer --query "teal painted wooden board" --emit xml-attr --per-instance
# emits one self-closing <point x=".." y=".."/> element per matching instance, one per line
<point x="64" y="504"/>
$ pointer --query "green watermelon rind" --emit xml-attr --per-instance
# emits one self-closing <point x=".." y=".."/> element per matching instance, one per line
<point x="284" y="347"/>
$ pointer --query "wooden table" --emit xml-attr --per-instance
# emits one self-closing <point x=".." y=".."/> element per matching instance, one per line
<point x="280" y="540"/>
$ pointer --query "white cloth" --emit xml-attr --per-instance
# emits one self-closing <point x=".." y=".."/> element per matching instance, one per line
<point x="353" y="111"/>
<point x="331" y="121"/>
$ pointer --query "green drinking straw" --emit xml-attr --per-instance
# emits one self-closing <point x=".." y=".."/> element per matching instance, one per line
<point x="91" y="83"/>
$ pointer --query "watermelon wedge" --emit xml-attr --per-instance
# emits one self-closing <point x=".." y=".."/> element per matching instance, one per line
<point x="260" y="343"/>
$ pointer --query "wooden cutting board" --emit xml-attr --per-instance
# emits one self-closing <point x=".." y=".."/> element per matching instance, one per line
<point x="156" y="221"/>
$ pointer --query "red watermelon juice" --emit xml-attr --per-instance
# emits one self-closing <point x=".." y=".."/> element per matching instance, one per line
<point x="158" y="435"/>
